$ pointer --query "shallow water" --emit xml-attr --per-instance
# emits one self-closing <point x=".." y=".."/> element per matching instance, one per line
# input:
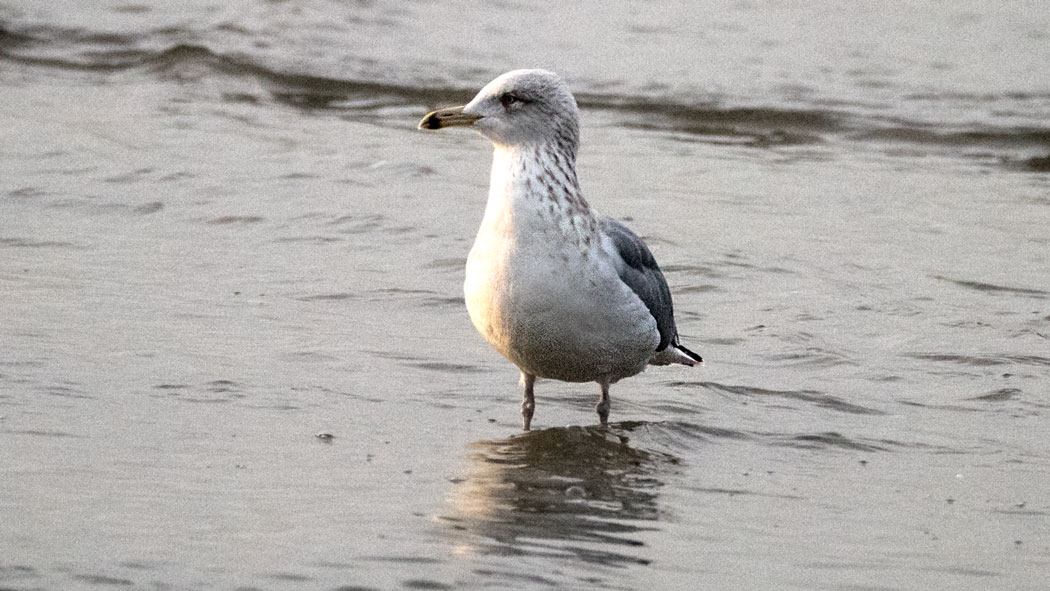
<point x="221" y="235"/>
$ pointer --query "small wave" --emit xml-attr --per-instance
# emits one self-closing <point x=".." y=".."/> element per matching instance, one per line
<point x="1007" y="137"/>
<point x="712" y="114"/>
<point x="177" y="54"/>
<point x="1000" y="395"/>
<point x="43" y="433"/>
<point x="969" y="360"/>
<point x="28" y="243"/>
<point x="216" y="391"/>
<point x="811" y="396"/>
<point x="103" y="580"/>
<point x="983" y="361"/>
<point x="716" y="126"/>
<point x="830" y="440"/>
<point x="446" y="367"/>
<point x="772" y="126"/>
<point x="9" y="38"/>
<point x="1034" y="164"/>
<point x="673" y="437"/>
<point x="84" y="51"/>
<point x="996" y="289"/>
<point x="693" y="270"/>
<point x="329" y="297"/>
<point x="71" y="49"/>
<point x="236" y="219"/>
<point x="976" y="97"/>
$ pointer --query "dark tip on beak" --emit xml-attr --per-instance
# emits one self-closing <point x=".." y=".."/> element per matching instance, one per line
<point x="431" y="121"/>
<point x="451" y="117"/>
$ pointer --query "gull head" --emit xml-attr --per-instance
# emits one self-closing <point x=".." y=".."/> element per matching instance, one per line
<point x="519" y="108"/>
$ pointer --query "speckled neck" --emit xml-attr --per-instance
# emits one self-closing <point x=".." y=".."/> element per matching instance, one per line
<point x="545" y="172"/>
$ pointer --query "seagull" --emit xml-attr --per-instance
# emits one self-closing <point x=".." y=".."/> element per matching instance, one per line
<point x="562" y="292"/>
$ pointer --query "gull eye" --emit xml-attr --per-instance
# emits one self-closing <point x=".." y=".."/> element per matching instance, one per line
<point x="508" y="99"/>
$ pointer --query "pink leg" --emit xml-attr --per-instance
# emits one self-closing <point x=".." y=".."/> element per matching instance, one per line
<point x="528" y="404"/>
<point x="603" y="403"/>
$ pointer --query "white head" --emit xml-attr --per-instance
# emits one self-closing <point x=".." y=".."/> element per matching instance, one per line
<point x="520" y="108"/>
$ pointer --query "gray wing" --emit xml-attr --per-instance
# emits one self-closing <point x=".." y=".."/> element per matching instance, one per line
<point x="643" y="276"/>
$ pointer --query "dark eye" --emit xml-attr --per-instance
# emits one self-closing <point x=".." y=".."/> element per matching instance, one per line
<point x="508" y="99"/>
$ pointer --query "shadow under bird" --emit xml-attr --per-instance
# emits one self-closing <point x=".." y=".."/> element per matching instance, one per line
<point x="561" y="291"/>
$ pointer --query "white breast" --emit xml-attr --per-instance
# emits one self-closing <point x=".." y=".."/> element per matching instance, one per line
<point x="543" y="290"/>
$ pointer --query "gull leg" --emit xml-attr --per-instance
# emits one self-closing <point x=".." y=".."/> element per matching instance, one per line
<point x="603" y="403"/>
<point x="528" y="403"/>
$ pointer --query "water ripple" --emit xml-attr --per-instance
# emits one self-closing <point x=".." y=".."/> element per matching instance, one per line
<point x="830" y="440"/>
<point x="983" y="361"/>
<point x="163" y="55"/>
<point x="996" y="289"/>
<point x="811" y="396"/>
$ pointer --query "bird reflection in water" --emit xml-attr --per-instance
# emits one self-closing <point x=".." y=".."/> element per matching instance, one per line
<point x="582" y="493"/>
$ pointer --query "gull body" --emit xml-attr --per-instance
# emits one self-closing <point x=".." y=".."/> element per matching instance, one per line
<point x="558" y="289"/>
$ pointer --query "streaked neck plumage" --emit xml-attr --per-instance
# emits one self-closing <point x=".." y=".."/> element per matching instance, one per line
<point x="536" y="178"/>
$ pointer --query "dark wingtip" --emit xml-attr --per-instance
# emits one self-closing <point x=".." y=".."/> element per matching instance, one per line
<point x="690" y="354"/>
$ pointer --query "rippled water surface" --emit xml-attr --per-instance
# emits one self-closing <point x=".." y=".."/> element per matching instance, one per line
<point x="221" y="236"/>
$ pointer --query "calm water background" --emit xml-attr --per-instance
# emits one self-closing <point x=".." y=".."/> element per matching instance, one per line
<point x="221" y="234"/>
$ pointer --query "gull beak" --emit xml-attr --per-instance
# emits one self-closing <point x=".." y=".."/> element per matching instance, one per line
<point x="451" y="117"/>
